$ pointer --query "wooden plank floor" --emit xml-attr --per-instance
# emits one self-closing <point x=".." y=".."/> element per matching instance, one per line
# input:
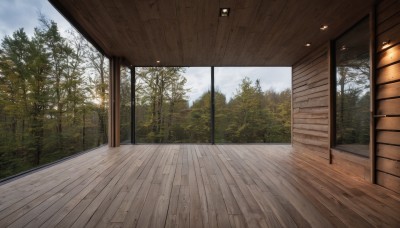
<point x="194" y="186"/>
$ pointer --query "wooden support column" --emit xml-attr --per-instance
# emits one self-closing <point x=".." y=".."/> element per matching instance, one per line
<point x="114" y="107"/>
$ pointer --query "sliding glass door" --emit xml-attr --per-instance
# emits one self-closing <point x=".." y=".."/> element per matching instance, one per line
<point x="353" y="90"/>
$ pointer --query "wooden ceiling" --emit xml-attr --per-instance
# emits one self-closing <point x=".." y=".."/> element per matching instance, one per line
<point x="191" y="33"/>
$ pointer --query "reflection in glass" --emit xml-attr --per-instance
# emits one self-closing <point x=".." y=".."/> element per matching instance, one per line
<point x="353" y="90"/>
<point x="248" y="108"/>
<point x="173" y="104"/>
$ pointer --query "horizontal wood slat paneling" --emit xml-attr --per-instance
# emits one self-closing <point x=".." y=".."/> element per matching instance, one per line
<point x="388" y="137"/>
<point x="388" y="24"/>
<point x="386" y="9"/>
<point x="383" y="6"/>
<point x="309" y="89"/>
<point x="388" y="166"/>
<point x="389" y="35"/>
<point x="388" y="181"/>
<point x="388" y="151"/>
<point x="391" y="90"/>
<point x="388" y="74"/>
<point x="389" y="107"/>
<point x="388" y="95"/>
<point x="388" y="56"/>
<point x="388" y="123"/>
<point x="310" y="104"/>
<point x="322" y="121"/>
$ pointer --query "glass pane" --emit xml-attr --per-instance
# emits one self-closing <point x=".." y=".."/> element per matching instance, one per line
<point x="353" y="90"/>
<point x="253" y="104"/>
<point x="53" y="89"/>
<point x="173" y="104"/>
<point x="125" y="105"/>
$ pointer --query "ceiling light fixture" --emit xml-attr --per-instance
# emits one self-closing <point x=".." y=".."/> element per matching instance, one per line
<point x="307" y="44"/>
<point x="385" y="44"/>
<point x="224" y="12"/>
<point x="323" y="27"/>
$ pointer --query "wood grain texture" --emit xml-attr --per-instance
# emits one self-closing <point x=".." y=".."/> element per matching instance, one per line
<point x="310" y="127"/>
<point x="196" y="186"/>
<point x="388" y="107"/>
<point x="388" y="95"/>
<point x="351" y="164"/>
<point x="388" y="74"/>
<point x="391" y="90"/>
<point x="191" y="33"/>
<point x="389" y="56"/>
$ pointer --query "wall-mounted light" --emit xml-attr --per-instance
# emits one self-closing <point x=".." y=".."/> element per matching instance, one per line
<point x="158" y="61"/>
<point x="224" y="12"/>
<point x="323" y="27"/>
<point x="344" y="48"/>
<point x="385" y="44"/>
<point x="307" y="44"/>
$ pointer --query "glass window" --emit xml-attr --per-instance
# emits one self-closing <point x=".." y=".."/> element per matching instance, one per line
<point x="53" y="88"/>
<point x="252" y="104"/>
<point x="173" y="104"/>
<point x="353" y="90"/>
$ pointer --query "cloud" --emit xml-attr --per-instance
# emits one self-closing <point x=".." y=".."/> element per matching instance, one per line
<point x="227" y="79"/>
<point x="15" y="14"/>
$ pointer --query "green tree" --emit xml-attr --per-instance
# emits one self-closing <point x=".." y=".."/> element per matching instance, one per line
<point x="161" y="94"/>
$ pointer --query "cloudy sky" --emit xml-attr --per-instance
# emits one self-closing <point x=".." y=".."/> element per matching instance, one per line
<point x="227" y="79"/>
<point x="16" y="14"/>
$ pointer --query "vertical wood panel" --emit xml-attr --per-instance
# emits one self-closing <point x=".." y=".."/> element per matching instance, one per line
<point x="387" y="97"/>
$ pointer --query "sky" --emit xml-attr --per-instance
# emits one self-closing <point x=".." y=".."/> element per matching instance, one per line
<point x="16" y="14"/>
<point x="227" y="79"/>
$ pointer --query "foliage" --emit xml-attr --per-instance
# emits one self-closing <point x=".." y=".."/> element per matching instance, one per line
<point x="163" y="113"/>
<point x="53" y="97"/>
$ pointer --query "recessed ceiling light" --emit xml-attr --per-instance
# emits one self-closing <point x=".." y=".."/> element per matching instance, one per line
<point x="224" y="12"/>
<point x="323" y="27"/>
<point x="307" y="44"/>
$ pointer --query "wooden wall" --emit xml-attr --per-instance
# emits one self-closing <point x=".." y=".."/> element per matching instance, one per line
<point x="310" y="128"/>
<point x="388" y="94"/>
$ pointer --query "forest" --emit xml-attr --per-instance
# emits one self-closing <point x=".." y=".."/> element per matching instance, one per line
<point x="164" y="115"/>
